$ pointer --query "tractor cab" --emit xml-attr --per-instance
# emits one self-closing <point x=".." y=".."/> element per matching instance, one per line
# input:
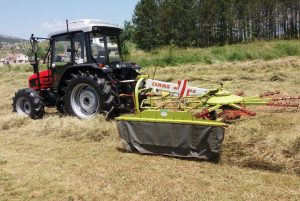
<point x="86" y="41"/>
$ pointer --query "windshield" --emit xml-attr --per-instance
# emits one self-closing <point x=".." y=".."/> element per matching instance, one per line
<point x="105" y="48"/>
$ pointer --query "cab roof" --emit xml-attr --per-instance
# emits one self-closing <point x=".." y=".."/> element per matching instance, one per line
<point x="84" y="25"/>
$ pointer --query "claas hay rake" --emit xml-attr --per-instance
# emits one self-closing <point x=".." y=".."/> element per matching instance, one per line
<point x="178" y="120"/>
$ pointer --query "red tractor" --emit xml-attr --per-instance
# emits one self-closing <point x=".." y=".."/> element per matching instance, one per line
<point x="85" y="74"/>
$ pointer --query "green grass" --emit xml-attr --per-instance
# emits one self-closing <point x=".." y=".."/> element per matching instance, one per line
<point x="20" y="68"/>
<point x="173" y="56"/>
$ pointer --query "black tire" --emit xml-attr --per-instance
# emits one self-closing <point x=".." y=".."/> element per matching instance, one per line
<point x="86" y="95"/>
<point x="28" y="102"/>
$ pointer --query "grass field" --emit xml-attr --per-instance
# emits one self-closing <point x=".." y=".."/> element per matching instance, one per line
<point x="172" y="56"/>
<point x="65" y="158"/>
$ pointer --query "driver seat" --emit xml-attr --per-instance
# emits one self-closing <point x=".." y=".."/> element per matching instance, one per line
<point x="102" y="57"/>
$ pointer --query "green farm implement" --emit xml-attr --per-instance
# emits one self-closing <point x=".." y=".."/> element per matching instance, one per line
<point x="178" y="120"/>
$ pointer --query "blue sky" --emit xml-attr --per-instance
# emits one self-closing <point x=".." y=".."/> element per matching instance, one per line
<point x="22" y="18"/>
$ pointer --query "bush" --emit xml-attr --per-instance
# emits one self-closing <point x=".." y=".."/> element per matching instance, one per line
<point x="287" y="49"/>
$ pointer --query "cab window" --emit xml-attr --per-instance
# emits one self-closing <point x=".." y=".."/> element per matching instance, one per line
<point x="104" y="49"/>
<point x="62" y="51"/>
<point x="80" y="49"/>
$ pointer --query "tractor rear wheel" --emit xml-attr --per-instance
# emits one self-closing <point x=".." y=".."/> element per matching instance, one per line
<point x="28" y="102"/>
<point x="87" y="95"/>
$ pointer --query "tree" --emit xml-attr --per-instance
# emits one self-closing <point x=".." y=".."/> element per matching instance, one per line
<point x="145" y="21"/>
<point x="41" y="52"/>
<point x="125" y="37"/>
<point x="198" y="23"/>
<point x="128" y="32"/>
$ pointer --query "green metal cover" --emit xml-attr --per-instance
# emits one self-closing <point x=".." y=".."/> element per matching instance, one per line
<point x="165" y="116"/>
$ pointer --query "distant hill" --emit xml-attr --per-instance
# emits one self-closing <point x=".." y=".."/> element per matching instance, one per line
<point x="10" y="39"/>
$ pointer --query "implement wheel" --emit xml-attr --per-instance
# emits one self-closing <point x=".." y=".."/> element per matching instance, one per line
<point x="27" y="102"/>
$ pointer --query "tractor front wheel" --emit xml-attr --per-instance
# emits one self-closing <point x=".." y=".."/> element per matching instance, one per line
<point x="27" y="102"/>
<point x="87" y="95"/>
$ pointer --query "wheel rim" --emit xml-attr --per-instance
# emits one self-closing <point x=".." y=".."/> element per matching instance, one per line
<point x="84" y="100"/>
<point x="23" y="106"/>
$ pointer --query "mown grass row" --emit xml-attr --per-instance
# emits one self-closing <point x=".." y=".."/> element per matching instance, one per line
<point x="173" y="56"/>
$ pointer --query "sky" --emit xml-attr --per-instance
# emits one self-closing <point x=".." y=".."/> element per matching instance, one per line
<point x="22" y="18"/>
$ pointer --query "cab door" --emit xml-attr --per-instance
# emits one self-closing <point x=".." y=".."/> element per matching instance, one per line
<point x="62" y="56"/>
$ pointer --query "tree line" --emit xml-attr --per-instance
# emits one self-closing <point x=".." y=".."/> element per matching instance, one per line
<point x="200" y="23"/>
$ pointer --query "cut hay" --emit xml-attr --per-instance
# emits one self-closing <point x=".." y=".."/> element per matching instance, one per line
<point x="269" y="141"/>
<point x="266" y="142"/>
<point x="66" y="158"/>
